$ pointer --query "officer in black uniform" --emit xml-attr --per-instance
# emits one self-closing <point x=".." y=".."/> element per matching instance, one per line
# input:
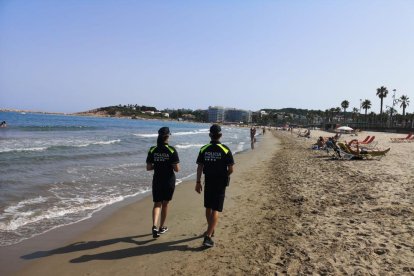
<point x="215" y="160"/>
<point x="163" y="159"/>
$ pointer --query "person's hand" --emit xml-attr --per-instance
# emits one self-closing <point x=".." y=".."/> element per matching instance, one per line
<point x="198" y="187"/>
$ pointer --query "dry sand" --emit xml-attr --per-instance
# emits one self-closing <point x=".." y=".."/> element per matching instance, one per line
<point x="289" y="210"/>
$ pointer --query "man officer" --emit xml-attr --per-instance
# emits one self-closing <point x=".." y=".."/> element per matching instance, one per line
<point x="215" y="160"/>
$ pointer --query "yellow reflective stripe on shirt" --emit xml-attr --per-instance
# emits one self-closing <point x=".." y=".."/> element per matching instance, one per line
<point x="204" y="148"/>
<point x="152" y="149"/>
<point x="223" y="148"/>
<point x="169" y="148"/>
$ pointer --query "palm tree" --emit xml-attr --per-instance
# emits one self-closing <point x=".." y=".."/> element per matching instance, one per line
<point x="326" y="113"/>
<point x="332" y="110"/>
<point x="355" y="111"/>
<point x="366" y="105"/>
<point x="345" y="105"/>
<point x="382" y="93"/>
<point x="337" y="110"/>
<point x="405" y="101"/>
<point x="309" y="118"/>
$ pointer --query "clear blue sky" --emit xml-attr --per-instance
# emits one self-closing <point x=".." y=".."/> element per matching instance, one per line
<point x="76" y="55"/>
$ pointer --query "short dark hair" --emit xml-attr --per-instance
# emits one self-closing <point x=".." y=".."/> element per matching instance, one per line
<point x="215" y="129"/>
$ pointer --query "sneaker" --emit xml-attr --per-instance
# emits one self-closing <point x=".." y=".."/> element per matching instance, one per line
<point x="208" y="241"/>
<point x="163" y="229"/>
<point x="155" y="233"/>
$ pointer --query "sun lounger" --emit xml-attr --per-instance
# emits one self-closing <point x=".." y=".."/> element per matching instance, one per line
<point x="335" y="152"/>
<point x="364" y="153"/>
<point x="351" y="154"/>
<point x="366" y="138"/>
<point x="356" y="144"/>
<point x="305" y="134"/>
<point x="354" y="141"/>
<point x="402" y="140"/>
<point x="369" y="141"/>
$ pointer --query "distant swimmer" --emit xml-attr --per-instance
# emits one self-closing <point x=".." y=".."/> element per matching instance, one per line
<point x="163" y="159"/>
<point x="3" y="124"/>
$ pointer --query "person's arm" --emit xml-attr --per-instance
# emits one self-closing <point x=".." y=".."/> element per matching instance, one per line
<point x="150" y="166"/>
<point x="175" y="160"/>
<point x="150" y="161"/>
<point x="229" y="170"/>
<point x="176" y="167"/>
<point x="198" y="186"/>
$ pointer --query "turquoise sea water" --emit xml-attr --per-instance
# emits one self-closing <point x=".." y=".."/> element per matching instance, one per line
<point x="56" y="170"/>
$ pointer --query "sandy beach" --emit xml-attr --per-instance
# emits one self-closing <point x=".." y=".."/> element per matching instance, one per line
<point x="289" y="210"/>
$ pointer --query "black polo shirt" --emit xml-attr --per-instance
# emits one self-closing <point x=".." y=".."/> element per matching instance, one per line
<point x="163" y="157"/>
<point x="215" y="157"/>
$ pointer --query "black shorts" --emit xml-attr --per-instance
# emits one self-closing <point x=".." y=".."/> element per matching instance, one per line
<point x="214" y="193"/>
<point x="163" y="189"/>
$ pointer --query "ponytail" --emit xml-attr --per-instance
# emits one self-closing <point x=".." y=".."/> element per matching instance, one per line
<point x="161" y="139"/>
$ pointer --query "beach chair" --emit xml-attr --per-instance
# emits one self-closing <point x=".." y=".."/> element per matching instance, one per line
<point x="369" y="141"/>
<point x="402" y="140"/>
<point x="365" y="153"/>
<point x="343" y="153"/>
<point x="354" y="141"/>
<point x="330" y="150"/>
<point x="356" y="144"/>
<point x="366" y="138"/>
<point x="305" y="134"/>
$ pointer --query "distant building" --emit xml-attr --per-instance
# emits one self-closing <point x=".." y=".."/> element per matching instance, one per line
<point x="238" y="115"/>
<point x="263" y="113"/>
<point x="230" y="115"/>
<point x="215" y="114"/>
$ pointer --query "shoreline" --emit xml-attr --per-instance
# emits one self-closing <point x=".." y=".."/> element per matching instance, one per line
<point x="10" y="255"/>
<point x="11" y="261"/>
<point x="126" y="233"/>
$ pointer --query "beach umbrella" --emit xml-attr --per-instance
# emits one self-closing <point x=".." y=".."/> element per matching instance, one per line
<point x="344" y="128"/>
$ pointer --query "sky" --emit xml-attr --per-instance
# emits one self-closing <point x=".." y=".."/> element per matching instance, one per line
<point x="74" y="55"/>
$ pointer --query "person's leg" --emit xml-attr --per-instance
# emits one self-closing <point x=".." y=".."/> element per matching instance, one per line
<point x="208" y="215"/>
<point x="212" y="222"/>
<point x="164" y="211"/>
<point x="156" y="213"/>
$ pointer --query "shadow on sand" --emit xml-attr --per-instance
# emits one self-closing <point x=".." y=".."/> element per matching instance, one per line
<point x="140" y="249"/>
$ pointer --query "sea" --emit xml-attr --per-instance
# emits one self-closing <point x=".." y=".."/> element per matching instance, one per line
<point x="57" y="170"/>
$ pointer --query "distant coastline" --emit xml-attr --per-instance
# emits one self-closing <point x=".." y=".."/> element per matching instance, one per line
<point x="32" y="111"/>
<point x="91" y="113"/>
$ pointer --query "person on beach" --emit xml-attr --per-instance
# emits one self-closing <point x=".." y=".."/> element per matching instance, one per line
<point x="215" y="160"/>
<point x="320" y="143"/>
<point x="164" y="160"/>
<point x="252" y="138"/>
<point x="331" y="144"/>
<point x="252" y="134"/>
